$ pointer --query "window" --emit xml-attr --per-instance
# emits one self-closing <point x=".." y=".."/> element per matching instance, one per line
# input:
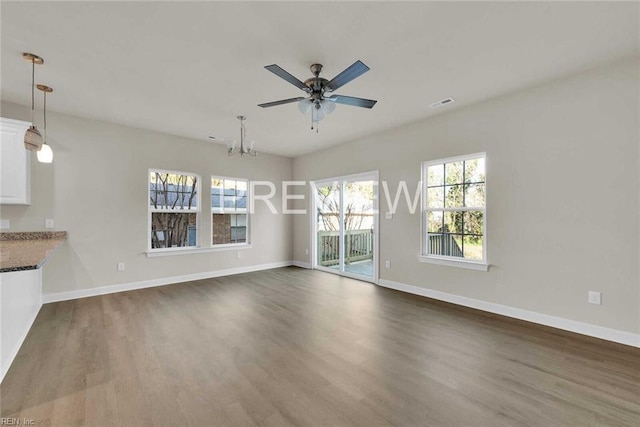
<point x="173" y="209"/>
<point x="229" y="215"/>
<point x="454" y="209"/>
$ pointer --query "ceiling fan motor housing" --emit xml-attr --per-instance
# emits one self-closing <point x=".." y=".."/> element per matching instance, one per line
<point x="317" y="84"/>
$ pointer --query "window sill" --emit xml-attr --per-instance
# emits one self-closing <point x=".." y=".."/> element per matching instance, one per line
<point x="470" y="265"/>
<point x="195" y="250"/>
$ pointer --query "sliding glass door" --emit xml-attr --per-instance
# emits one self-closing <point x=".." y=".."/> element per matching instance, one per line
<point x="346" y="226"/>
<point x="359" y="230"/>
<point x="328" y="225"/>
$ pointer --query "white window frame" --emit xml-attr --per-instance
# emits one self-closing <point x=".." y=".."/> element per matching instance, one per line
<point x="170" y="251"/>
<point x="481" y="265"/>
<point x="224" y="210"/>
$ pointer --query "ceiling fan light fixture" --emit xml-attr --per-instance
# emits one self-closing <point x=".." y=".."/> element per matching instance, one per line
<point x="328" y="106"/>
<point x="317" y="113"/>
<point x="305" y="105"/>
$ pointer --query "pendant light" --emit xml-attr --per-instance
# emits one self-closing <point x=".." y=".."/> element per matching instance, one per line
<point x="45" y="154"/>
<point x="33" y="138"/>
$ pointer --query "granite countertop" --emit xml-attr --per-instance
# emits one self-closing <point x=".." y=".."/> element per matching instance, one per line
<point x="28" y="250"/>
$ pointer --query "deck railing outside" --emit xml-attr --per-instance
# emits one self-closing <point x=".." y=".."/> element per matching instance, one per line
<point x="358" y="246"/>
<point x="444" y="244"/>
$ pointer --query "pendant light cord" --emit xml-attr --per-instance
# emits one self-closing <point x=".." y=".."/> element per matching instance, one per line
<point x="33" y="89"/>
<point x="45" y="117"/>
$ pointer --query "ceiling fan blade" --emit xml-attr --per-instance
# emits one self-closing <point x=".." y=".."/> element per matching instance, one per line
<point x="283" y="101"/>
<point x="353" y="71"/>
<point x="280" y="72"/>
<point x="350" y="100"/>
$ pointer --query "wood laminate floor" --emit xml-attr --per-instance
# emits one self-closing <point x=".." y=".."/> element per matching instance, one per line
<point x="299" y="347"/>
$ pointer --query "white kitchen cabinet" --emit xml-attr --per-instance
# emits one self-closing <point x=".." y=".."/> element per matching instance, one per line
<point x="20" y="302"/>
<point x="15" y="161"/>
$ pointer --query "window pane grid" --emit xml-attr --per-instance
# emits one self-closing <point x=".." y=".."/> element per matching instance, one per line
<point x="229" y="214"/>
<point x="462" y="183"/>
<point x="464" y="209"/>
<point x="173" y="208"/>
<point x="229" y="228"/>
<point x="173" y="191"/>
<point x="455" y="208"/>
<point x="169" y="210"/>
<point x="228" y="195"/>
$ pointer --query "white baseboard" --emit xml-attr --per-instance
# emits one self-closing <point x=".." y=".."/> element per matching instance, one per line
<point x="596" y="331"/>
<point x="110" y="289"/>
<point x="301" y="264"/>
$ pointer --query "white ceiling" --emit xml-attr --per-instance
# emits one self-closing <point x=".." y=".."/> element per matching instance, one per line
<point x="189" y="68"/>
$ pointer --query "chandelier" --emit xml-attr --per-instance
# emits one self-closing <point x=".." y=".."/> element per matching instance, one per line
<point x="246" y="147"/>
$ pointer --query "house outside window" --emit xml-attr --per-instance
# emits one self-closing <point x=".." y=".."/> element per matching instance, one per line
<point x="229" y="214"/>
<point x="174" y="207"/>
<point x="454" y="209"/>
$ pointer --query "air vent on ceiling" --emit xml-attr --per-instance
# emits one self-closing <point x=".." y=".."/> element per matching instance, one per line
<point x="441" y="103"/>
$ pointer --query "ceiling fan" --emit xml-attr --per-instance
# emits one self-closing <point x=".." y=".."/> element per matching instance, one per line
<point x="318" y="89"/>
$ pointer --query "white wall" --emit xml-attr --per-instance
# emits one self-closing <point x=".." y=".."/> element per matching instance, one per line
<point x="96" y="189"/>
<point x="562" y="196"/>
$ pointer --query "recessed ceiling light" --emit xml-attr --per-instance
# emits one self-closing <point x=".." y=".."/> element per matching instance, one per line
<point x="441" y="103"/>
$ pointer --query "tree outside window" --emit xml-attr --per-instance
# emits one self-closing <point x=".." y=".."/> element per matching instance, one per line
<point x="173" y="208"/>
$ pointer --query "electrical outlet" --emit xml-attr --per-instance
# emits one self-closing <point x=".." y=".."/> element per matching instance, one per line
<point x="306" y="251"/>
<point x="121" y="266"/>
<point x="387" y="264"/>
<point x="595" y="297"/>
<point x="239" y="254"/>
<point x="4" y="224"/>
<point x="48" y="223"/>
